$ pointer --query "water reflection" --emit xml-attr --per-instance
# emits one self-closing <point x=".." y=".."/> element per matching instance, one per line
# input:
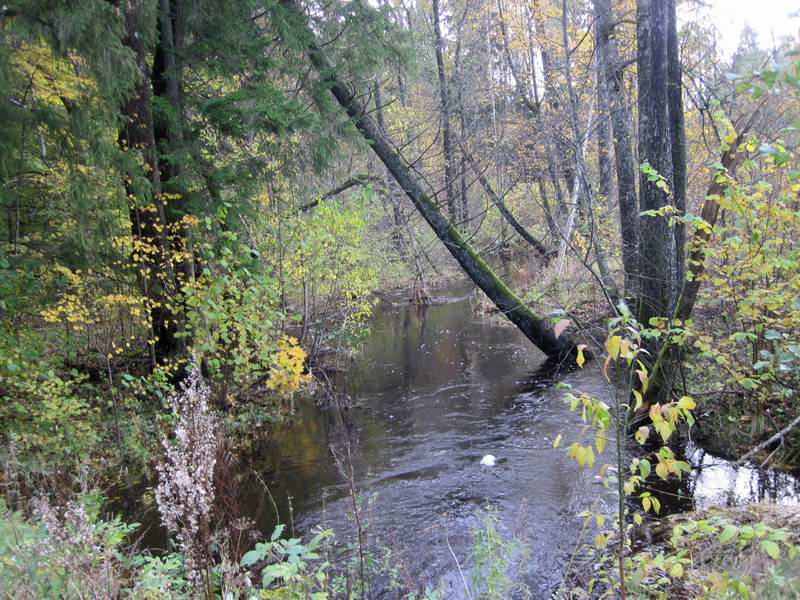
<point x="717" y="482"/>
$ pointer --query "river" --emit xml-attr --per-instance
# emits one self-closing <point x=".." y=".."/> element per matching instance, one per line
<point x="430" y="393"/>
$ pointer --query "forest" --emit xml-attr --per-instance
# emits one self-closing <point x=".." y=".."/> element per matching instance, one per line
<point x="399" y="299"/>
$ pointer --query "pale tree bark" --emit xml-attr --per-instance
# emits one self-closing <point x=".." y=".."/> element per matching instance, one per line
<point x="581" y="172"/>
<point x="557" y="214"/>
<point x="622" y="135"/>
<point x="459" y="81"/>
<point x="559" y="155"/>
<point x="531" y="104"/>
<point x="534" y="327"/>
<point x="577" y="191"/>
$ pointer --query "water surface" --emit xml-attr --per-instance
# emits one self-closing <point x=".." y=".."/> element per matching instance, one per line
<point x="430" y="393"/>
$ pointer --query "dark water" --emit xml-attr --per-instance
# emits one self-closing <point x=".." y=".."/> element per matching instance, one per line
<point x="430" y="394"/>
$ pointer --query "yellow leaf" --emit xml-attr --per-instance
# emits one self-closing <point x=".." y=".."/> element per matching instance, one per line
<point x="638" y="397"/>
<point x="600" y="442"/>
<point x="642" y="434"/>
<point x="612" y="346"/>
<point x="599" y="519"/>
<point x="580" y="358"/>
<point x="655" y="413"/>
<point x="557" y="441"/>
<point x="662" y="470"/>
<point x="580" y="455"/>
<point x="676" y="570"/>
<point x="687" y="403"/>
<point x="643" y="378"/>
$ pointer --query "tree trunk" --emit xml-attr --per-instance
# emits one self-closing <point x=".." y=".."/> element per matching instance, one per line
<point x="697" y="258"/>
<point x="168" y="133"/>
<point x="581" y="172"/>
<point x="532" y="105"/>
<point x="678" y="140"/>
<point x="548" y="213"/>
<point x="464" y="195"/>
<point x="444" y="106"/>
<point x="146" y="208"/>
<point x="604" y="171"/>
<point x="657" y="250"/>
<point x="534" y="327"/>
<point x="624" y="160"/>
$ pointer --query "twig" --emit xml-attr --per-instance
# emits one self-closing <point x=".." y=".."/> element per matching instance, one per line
<point x="460" y="572"/>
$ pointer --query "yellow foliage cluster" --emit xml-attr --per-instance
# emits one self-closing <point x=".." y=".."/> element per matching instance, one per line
<point x="286" y="374"/>
<point x="52" y="79"/>
<point x="111" y="320"/>
<point x="70" y="308"/>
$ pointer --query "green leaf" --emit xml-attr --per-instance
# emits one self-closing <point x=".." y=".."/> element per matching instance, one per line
<point x="250" y="558"/>
<point x="728" y="534"/>
<point x="277" y="532"/>
<point x="771" y="548"/>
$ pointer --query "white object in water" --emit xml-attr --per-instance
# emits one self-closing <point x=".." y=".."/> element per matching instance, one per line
<point x="488" y="461"/>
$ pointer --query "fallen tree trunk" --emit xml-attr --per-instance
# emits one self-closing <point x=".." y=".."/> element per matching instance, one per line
<point x="533" y="326"/>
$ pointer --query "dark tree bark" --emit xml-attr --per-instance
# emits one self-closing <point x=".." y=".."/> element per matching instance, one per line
<point x="168" y="132"/>
<point x="605" y="172"/>
<point x="678" y="140"/>
<point x="146" y="208"/>
<point x="548" y="213"/>
<point x="444" y="107"/>
<point x="657" y="249"/>
<point x="464" y="193"/>
<point x="355" y="180"/>
<point x="534" y="327"/>
<point x="622" y="130"/>
<point x="168" y="128"/>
